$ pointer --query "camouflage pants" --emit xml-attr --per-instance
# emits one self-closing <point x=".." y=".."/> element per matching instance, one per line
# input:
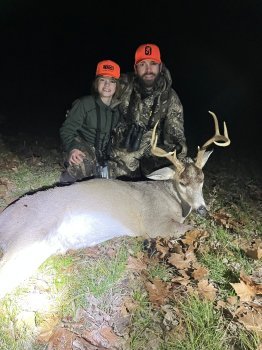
<point x="122" y="163"/>
<point x="87" y="168"/>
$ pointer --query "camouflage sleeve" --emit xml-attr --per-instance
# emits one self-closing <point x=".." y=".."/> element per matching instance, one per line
<point x="173" y="133"/>
<point x="119" y="134"/>
<point x="121" y="131"/>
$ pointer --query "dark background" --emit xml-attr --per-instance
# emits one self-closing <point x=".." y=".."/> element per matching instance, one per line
<point x="213" y="49"/>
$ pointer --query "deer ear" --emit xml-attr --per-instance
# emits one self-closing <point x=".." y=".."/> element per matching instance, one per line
<point x="206" y="155"/>
<point x="162" y="174"/>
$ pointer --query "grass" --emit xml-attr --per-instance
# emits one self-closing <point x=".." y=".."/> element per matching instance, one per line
<point x="204" y="327"/>
<point x="28" y="178"/>
<point x="224" y="259"/>
<point x="95" y="277"/>
<point x="27" y="166"/>
<point x="70" y="281"/>
<point x="14" y="335"/>
<point x="161" y="271"/>
<point x="145" y="323"/>
<point x="57" y="266"/>
<point x="247" y="340"/>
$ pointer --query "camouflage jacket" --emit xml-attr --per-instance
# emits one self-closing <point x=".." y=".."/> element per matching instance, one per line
<point x="162" y="104"/>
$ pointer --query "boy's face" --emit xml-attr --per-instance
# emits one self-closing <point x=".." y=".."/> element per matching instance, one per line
<point x="106" y="86"/>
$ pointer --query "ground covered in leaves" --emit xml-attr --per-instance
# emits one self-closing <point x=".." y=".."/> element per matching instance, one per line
<point x="202" y="291"/>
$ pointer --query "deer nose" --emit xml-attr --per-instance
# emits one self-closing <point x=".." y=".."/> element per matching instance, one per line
<point x="202" y="210"/>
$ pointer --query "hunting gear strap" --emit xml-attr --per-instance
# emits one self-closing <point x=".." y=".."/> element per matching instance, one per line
<point x="136" y="131"/>
<point x="102" y="156"/>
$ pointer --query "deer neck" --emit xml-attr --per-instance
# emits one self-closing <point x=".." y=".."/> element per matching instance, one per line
<point x="172" y="190"/>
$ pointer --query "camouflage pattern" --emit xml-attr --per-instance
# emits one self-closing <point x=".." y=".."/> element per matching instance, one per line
<point x="164" y="105"/>
<point x="87" y="168"/>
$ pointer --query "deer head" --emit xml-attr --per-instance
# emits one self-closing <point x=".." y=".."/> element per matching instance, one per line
<point x="188" y="177"/>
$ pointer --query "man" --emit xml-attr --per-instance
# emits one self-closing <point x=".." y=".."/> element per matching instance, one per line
<point x="147" y="97"/>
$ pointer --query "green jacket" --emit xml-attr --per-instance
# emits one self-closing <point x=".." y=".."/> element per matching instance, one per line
<point x="82" y="120"/>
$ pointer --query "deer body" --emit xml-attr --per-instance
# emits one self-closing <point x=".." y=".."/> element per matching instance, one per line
<point x="82" y="215"/>
<point x="113" y="207"/>
<point x="90" y="212"/>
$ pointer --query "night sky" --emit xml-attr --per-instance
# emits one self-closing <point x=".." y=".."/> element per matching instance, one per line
<point x="213" y="49"/>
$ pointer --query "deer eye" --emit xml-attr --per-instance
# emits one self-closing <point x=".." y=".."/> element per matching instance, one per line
<point x="182" y="184"/>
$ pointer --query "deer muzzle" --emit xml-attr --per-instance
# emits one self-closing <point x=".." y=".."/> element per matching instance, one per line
<point x="202" y="210"/>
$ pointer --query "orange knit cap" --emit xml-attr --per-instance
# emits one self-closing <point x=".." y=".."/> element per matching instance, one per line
<point x="148" y="52"/>
<point x="108" y="68"/>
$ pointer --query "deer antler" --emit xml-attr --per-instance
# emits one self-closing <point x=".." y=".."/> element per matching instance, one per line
<point x="159" y="152"/>
<point x="216" y="139"/>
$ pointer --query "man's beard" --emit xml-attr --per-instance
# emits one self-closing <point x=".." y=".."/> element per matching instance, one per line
<point x="147" y="84"/>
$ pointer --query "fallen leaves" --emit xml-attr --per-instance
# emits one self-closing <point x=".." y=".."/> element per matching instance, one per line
<point x="96" y="330"/>
<point x="46" y="328"/>
<point x="206" y="290"/>
<point x="179" y="261"/>
<point x="244" y="291"/>
<point x="158" y="291"/>
<point x="250" y="316"/>
<point x="253" y="249"/>
<point x="92" y="330"/>
<point x="245" y="308"/>
<point x="247" y="289"/>
<point x="62" y="339"/>
<point x="194" y="237"/>
<point x="136" y="264"/>
<point x="193" y="279"/>
<point x="226" y="220"/>
<point x="200" y="272"/>
<point x="103" y="337"/>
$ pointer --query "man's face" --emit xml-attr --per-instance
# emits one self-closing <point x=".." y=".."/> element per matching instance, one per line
<point x="148" y="71"/>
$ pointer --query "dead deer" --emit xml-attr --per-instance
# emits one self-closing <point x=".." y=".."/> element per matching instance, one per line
<point x="89" y="212"/>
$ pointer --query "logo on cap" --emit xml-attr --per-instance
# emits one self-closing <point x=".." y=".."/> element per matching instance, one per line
<point x="148" y="50"/>
<point x="108" y="66"/>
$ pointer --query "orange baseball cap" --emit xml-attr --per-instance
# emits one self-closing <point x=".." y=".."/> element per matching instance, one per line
<point x="148" y="52"/>
<point x="108" y="68"/>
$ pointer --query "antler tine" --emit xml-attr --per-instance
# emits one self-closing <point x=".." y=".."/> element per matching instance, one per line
<point x="224" y="138"/>
<point x="217" y="137"/>
<point x="159" y="152"/>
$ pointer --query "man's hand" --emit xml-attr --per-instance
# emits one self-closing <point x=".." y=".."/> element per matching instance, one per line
<point x="76" y="156"/>
<point x="145" y="146"/>
<point x="181" y="149"/>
